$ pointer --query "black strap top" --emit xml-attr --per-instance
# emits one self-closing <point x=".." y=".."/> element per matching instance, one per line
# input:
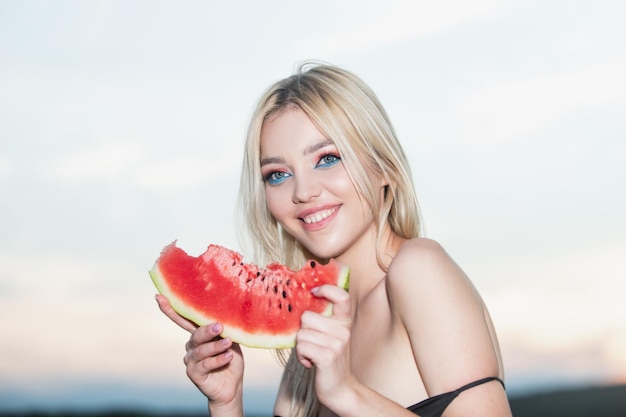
<point x="435" y="406"/>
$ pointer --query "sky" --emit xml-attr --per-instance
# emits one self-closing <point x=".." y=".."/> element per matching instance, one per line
<point x="122" y="126"/>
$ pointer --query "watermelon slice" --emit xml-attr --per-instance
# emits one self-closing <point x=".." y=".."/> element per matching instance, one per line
<point x="258" y="307"/>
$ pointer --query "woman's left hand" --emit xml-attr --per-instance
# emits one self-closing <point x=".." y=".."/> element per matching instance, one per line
<point x="324" y="342"/>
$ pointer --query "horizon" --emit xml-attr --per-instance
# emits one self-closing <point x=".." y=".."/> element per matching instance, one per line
<point x="185" y="399"/>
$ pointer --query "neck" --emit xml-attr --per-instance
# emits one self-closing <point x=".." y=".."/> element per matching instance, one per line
<point x="365" y="272"/>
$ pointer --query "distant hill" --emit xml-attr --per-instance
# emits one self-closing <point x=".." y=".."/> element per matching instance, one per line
<point x="607" y="401"/>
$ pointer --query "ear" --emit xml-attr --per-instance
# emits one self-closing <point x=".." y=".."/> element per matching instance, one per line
<point x="384" y="181"/>
<point x="384" y="186"/>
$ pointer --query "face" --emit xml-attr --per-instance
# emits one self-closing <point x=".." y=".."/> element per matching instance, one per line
<point x="308" y="190"/>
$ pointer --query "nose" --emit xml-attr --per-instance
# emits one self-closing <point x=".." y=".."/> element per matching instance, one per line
<point x="306" y="188"/>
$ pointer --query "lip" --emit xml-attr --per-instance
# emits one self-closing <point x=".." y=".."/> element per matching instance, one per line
<point x="316" y="210"/>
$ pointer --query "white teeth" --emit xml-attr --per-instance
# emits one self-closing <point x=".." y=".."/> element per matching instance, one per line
<point x="319" y="216"/>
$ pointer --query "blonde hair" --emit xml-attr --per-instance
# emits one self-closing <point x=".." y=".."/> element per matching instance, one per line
<point x="345" y="110"/>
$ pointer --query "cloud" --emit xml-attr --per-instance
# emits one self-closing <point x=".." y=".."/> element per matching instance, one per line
<point x="184" y="171"/>
<point x="377" y="24"/>
<point x="559" y="311"/>
<point x="85" y="126"/>
<point x="158" y="135"/>
<point x="509" y="110"/>
<point x="134" y="163"/>
<point x="108" y="161"/>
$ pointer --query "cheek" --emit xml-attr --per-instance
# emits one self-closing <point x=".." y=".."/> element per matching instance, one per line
<point x="277" y="200"/>
<point x="341" y="185"/>
<point x="344" y="187"/>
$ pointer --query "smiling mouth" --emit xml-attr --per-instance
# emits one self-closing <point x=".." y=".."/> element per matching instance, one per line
<point x="319" y="216"/>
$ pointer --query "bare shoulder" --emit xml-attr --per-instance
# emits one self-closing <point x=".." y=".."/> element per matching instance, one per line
<point x="424" y="284"/>
<point x="424" y="262"/>
<point x="443" y="315"/>
<point x="422" y="247"/>
<point x="447" y="325"/>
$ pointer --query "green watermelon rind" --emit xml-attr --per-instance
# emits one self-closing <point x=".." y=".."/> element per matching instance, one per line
<point x="199" y="318"/>
<point x="252" y="340"/>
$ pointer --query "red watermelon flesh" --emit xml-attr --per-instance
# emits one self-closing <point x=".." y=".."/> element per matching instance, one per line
<point x="258" y="307"/>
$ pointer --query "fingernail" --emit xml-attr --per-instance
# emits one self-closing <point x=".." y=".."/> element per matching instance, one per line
<point x="216" y="327"/>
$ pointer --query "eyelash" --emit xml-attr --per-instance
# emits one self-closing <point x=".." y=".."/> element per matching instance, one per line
<point x="271" y="179"/>
<point x="335" y="156"/>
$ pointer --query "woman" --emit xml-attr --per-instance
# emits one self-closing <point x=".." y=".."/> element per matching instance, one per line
<point x="325" y="177"/>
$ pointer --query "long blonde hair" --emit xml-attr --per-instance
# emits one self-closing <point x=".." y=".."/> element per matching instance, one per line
<point x="345" y="110"/>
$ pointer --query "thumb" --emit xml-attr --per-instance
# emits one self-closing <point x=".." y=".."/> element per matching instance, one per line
<point x="340" y="299"/>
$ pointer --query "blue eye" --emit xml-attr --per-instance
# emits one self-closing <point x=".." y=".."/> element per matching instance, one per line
<point x="276" y="177"/>
<point x="328" y="160"/>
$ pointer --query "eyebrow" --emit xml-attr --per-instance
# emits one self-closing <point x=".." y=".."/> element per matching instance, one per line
<point x="272" y="160"/>
<point x="307" y="151"/>
<point x="314" y="148"/>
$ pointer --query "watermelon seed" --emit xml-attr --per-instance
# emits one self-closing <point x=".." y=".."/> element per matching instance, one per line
<point x="284" y="294"/>
<point x="289" y="308"/>
<point x="288" y="282"/>
<point x="258" y="273"/>
<point x="280" y="305"/>
<point x="275" y="289"/>
<point x="312" y="264"/>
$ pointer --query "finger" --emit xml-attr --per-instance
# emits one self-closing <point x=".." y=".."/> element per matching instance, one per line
<point x="339" y="297"/>
<point x="197" y="369"/>
<point x="166" y="308"/>
<point x="309" y="354"/>
<point x="323" y="331"/>
<point x="320" y="339"/>
<point x="315" y="348"/>
<point x="207" y="352"/>
<point x="302" y="351"/>
<point x="319" y="322"/>
<point x="199" y="353"/>
<point x="204" y="334"/>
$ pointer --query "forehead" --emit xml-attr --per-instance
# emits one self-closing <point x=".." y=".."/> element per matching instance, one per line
<point x="290" y="129"/>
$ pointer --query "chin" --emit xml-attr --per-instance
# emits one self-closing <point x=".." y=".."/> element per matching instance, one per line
<point x="324" y="251"/>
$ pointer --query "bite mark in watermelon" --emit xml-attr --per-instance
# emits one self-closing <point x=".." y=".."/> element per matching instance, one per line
<point x="258" y="307"/>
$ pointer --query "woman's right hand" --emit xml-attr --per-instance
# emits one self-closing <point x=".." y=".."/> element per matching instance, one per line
<point x="214" y="365"/>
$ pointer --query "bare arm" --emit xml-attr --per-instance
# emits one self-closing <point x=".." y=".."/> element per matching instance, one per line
<point x="448" y="327"/>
